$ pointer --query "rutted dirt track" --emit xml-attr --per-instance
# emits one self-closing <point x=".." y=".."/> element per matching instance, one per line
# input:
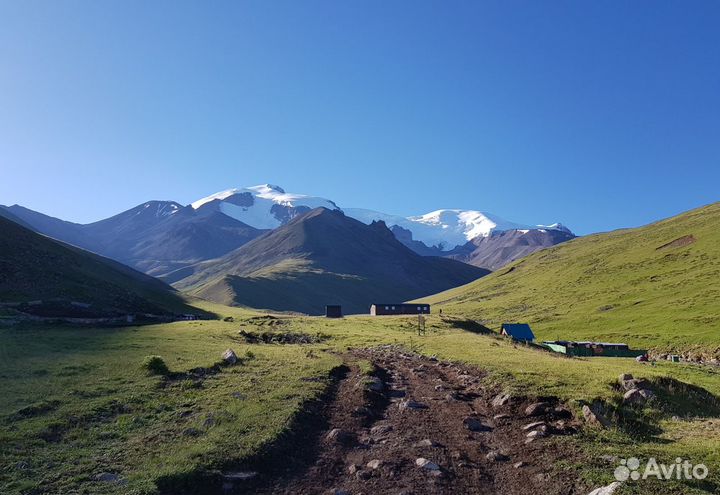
<point x="421" y="426"/>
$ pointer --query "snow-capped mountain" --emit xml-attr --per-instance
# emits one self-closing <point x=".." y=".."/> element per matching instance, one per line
<point x="262" y="207"/>
<point x="158" y="237"/>
<point x="447" y="229"/>
<point x="268" y="207"/>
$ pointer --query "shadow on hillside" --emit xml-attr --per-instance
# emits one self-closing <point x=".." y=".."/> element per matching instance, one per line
<point x="468" y="325"/>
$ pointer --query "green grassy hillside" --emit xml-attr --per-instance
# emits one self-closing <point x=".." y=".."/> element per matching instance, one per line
<point x="655" y="287"/>
<point x="34" y="267"/>
<point x="77" y="402"/>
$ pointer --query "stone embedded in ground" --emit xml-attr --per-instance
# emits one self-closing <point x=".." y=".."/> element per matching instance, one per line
<point x="229" y="356"/>
<point x="474" y="424"/>
<point x="594" y="416"/>
<point x="637" y="397"/>
<point x="192" y="432"/>
<point x="495" y="456"/>
<point x="501" y="416"/>
<point x="107" y="477"/>
<point x="381" y="429"/>
<point x="374" y="464"/>
<point x="352" y="468"/>
<point x="411" y="404"/>
<point x="536" y="434"/>
<point x="635" y="383"/>
<point x="537" y="409"/>
<point x="425" y="443"/>
<point x="518" y="465"/>
<point x="530" y="426"/>
<point x="340" y="436"/>
<point x="606" y="490"/>
<point x="423" y="463"/>
<point x="501" y="400"/>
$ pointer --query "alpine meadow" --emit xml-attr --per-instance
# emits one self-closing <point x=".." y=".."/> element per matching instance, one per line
<point x="346" y="248"/>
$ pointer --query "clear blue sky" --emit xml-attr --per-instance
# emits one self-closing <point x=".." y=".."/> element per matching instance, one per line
<point x="597" y="114"/>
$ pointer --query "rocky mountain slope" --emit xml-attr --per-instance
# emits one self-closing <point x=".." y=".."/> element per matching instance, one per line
<point x="322" y="257"/>
<point x="158" y="237"/>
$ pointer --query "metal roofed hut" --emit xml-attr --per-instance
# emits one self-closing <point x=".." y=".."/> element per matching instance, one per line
<point x="517" y="331"/>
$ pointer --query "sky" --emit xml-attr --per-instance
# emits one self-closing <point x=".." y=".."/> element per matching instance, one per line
<point x="599" y="115"/>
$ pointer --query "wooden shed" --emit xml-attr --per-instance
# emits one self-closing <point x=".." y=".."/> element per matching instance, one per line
<point x="333" y="311"/>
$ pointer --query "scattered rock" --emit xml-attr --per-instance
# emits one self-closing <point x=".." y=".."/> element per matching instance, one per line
<point x="533" y="425"/>
<point x="423" y="463"/>
<point x="536" y="434"/>
<point x="610" y="459"/>
<point x="439" y="388"/>
<point x="501" y="400"/>
<point x="496" y="456"/>
<point x="374" y="464"/>
<point x="635" y="383"/>
<point x="606" y="490"/>
<point x="473" y="424"/>
<point x="229" y="357"/>
<point x="518" y="465"/>
<point x="381" y="429"/>
<point x="192" y="432"/>
<point x="537" y="409"/>
<point x="352" y="468"/>
<point x="411" y="404"/>
<point x="594" y="416"/>
<point x="340" y="436"/>
<point x="107" y="477"/>
<point x="501" y="416"/>
<point x="425" y="443"/>
<point x="637" y="397"/>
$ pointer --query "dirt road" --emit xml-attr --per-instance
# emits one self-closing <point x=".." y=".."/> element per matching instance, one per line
<point x="422" y="426"/>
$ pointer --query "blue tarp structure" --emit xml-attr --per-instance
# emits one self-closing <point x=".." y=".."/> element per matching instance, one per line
<point x="518" y="331"/>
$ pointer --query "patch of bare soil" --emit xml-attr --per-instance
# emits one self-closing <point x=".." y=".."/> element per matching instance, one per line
<point x="683" y="241"/>
<point x="422" y="426"/>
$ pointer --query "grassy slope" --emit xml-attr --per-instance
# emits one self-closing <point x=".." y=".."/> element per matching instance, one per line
<point x="616" y="286"/>
<point x="115" y="418"/>
<point x="33" y="266"/>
